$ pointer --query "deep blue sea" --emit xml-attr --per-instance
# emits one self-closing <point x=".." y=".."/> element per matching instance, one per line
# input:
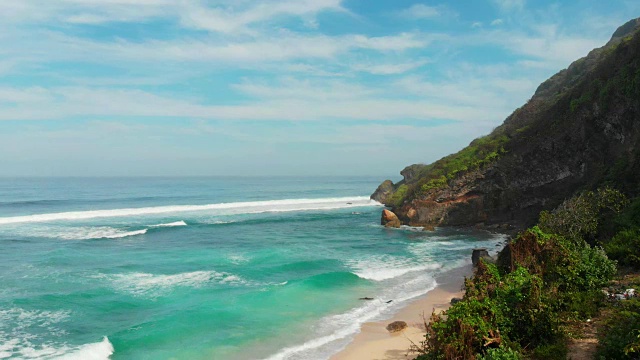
<point x="205" y="268"/>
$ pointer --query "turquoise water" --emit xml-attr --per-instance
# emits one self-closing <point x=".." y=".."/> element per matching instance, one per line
<point x="204" y="268"/>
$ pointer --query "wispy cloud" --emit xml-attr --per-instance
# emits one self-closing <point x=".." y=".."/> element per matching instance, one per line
<point x="218" y="17"/>
<point x="510" y="5"/>
<point x="421" y="11"/>
<point x="390" y="68"/>
<point x="264" y="75"/>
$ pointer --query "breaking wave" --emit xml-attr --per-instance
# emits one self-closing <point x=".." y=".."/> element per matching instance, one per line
<point x="143" y="284"/>
<point x="223" y="208"/>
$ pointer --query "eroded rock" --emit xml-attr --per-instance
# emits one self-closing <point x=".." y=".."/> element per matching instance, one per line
<point x="383" y="192"/>
<point x="389" y="219"/>
<point x="396" y="326"/>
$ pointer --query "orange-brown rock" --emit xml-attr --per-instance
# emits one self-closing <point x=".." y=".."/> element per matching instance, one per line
<point x="389" y="219"/>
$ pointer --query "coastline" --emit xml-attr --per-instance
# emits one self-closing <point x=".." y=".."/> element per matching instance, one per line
<point x="374" y="342"/>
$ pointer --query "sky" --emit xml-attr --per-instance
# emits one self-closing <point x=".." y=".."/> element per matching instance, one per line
<point x="265" y="87"/>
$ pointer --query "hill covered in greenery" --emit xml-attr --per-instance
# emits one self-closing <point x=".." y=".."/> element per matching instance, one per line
<point x="579" y="131"/>
<point x="563" y="174"/>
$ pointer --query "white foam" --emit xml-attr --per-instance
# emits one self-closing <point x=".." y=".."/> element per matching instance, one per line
<point x="18" y="339"/>
<point x="427" y="248"/>
<point x="223" y="208"/>
<point x="88" y="232"/>
<point x="143" y="284"/>
<point x="173" y="224"/>
<point x="337" y="329"/>
<point x="386" y="267"/>
<point x="27" y="318"/>
<point x="24" y="349"/>
<point x="238" y="259"/>
<point x="96" y="351"/>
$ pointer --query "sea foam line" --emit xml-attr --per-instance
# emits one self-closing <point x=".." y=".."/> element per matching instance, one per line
<point x="173" y="224"/>
<point x="144" y="284"/>
<point x="235" y="208"/>
<point x="340" y="328"/>
<point x="85" y="233"/>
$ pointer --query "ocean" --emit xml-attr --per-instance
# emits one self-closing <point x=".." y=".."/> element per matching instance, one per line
<point x="205" y="268"/>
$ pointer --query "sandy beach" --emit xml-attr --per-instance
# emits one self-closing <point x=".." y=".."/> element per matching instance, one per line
<point x="374" y="342"/>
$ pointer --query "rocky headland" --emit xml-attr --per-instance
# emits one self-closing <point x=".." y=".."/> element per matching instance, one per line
<point x="579" y="131"/>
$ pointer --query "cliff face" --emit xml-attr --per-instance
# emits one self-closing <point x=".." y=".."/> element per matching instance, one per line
<point x="580" y="130"/>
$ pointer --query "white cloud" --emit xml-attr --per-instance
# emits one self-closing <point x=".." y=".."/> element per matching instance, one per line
<point x="476" y="25"/>
<point x="510" y="5"/>
<point x="558" y="50"/>
<point x="421" y="11"/>
<point x="290" y="100"/>
<point x="497" y="22"/>
<point x="217" y="17"/>
<point x="281" y="47"/>
<point x="389" y="68"/>
<point x="401" y="42"/>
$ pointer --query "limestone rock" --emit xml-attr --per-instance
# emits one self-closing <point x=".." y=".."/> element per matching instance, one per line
<point x="389" y="219"/>
<point x="412" y="213"/>
<point x="383" y="192"/>
<point x="411" y="172"/>
<point x="396" y="326"/>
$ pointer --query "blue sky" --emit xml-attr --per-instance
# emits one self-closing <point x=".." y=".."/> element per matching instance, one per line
<point x="259" y="87"/>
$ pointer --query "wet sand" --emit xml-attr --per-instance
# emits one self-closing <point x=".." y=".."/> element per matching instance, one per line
<point x="374" y="342"/>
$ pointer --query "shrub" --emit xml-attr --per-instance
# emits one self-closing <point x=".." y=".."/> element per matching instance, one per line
<point x="578" y="217"/>
<point x="557" y="351"/>
<point x="620" y="339"/>
<point x="625" y="247"/>
<point x="501" y="353"/>
<point x="397" y="199"/>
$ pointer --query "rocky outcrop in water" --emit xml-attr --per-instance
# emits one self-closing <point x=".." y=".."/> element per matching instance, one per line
<point x="580" y="130"/>
<point x="383" y="192"/>
<point x="389" y="219"/>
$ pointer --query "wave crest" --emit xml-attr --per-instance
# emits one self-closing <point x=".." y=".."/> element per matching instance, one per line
<point x="172" y="224"/>
<point x="222" y="208"/>
<point x="144" y="284"/>
<point x="380" y="268"/>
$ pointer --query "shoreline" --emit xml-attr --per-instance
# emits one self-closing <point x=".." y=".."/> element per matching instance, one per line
<point x="374" y="342"/>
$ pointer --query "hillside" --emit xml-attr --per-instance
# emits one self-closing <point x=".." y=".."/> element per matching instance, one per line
<point x="579" y="131"/>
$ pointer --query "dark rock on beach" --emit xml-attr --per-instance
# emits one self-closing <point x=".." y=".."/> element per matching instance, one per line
<point x="396" y="326"/>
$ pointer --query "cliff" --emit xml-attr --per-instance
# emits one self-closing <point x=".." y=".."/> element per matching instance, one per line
<point x="580" y="130"/>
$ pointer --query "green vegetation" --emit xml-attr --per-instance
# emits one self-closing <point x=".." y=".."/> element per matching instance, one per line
<point x="480" y="152"/>
<point x="624" y="246"/>
<point x="500" y="353"/>
<point x="399" y="195"/>
<point x="626" y="82"/>
<point x="546" y="277"/>
<point x="579" y="217"/>
<point x="620" y="338"/>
